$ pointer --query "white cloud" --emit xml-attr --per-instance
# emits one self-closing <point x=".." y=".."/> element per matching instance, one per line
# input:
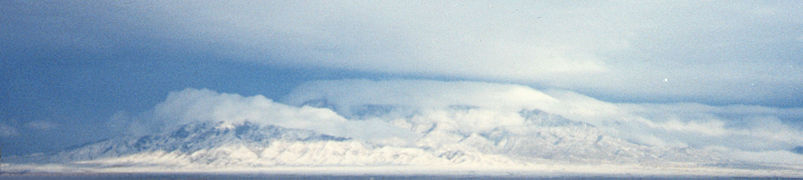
<point x="497" y="105"/>
<point x="41" y="125"/>
<point x="404" y="112"/>
<point x="7" y="131"/>
<point x="194" y="105"/>
<point x="620" y="49"/>
<point x="344" y="94"/>
<point x="398" y="109"/>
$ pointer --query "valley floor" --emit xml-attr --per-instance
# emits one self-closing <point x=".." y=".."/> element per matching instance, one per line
<point x="534" y="170"/>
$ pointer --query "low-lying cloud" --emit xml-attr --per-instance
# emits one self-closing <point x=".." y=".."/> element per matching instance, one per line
<point x="203" y="105"/>
<point x="396" y="111"/>
<point x="492" y="105"/>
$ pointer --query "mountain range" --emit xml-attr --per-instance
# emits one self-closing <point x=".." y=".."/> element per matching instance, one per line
<point x="545" y="139"/>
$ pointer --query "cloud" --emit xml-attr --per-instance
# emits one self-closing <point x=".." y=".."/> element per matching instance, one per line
<point x="41" y="125"/>
<point x="345" y="94"/>
<point x="202" y="105"/>
<point x="616" y="50"/>
<point x="441" y="114"/>
<point x="7" y="131"/>
<point x="479" y="106"/>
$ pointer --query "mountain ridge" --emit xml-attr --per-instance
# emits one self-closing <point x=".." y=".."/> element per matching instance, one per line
<point x="543" y="139"/>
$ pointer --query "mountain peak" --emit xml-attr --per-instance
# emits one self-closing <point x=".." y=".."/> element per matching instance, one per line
<point x="193" y="137"/>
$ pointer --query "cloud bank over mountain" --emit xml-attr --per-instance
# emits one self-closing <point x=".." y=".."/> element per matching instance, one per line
<point x="203" y="105"/>
<point x="404" y="112"/>
<point x="712" y="52"/>
<point x="711" y="84"/>
<point x="681" y="124"/>
<point x="442" y="125"/>
<point x="620" y="50"/>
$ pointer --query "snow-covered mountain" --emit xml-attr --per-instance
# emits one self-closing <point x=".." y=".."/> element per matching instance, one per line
<point x="218" y="144"/>
<point x="545" y="141"/>
<point x="546" y="137"/>
<point x="551" y="137"/>
<point x="501" y="127"/>
<point x="194" y="137"/>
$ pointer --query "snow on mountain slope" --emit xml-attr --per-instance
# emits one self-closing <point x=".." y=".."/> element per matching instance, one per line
<point x="208" y="144"/>
<point x="202" y="129"/>
<point x="548" y="144"/>
<point x="555" y="144"/>
<point x="546" y="137"/>
<point x="191" y="138"/>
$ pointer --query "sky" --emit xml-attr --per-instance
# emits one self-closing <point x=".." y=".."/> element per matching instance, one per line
<point x="69" y="68"/>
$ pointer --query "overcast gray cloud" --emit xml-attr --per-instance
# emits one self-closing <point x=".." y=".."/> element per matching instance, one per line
<point x="714" y="51"/>
<point x="719" y="52"/>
